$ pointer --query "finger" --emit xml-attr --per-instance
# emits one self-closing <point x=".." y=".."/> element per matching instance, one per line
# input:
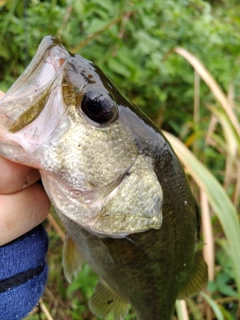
<point x="15" y="176"/>
<point x="1" y="94"/>
<point x="22" y="211"/>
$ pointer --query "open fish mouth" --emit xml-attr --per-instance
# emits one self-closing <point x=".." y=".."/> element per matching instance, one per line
<point x="25" y="100"/>
<point x="33" y="107"/>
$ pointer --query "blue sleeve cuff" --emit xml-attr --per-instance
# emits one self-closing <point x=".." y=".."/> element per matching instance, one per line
<point x="23" y="273"/>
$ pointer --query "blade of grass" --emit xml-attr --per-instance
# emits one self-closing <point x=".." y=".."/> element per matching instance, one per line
<point x="45" y="310"/>
<point x="196" y="108"/>
<point x="237" y="189"/>
<point x="217" y="311"/>
<point x="181" y="308"/>
<point x="208" y="249"/>
<point x="212" y="84"/>
<point x="226" y="314"/>
<point x="232" y="142"/>
<point x="211" y="128"/>
<point x="194" y="309"/>
<point x="232" y="145"/>
<point x="218" y="199"/>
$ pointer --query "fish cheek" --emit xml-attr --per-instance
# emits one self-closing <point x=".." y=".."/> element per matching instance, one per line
<point x="135" y="205"/>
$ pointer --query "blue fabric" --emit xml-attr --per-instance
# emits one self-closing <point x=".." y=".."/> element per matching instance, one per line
<point x="19" y="259"/>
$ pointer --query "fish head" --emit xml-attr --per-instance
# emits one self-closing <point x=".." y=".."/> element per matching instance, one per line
<point x="64" y="117"/>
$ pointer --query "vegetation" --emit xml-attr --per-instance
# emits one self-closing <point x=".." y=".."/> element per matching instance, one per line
<point x="152" y="50"/>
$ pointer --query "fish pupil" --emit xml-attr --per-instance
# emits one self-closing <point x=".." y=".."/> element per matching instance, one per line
<point x="95" y="106"/>
<point x="98" y="106"/>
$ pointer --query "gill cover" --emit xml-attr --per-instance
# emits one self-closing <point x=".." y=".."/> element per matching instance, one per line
<point x="134" y="206"/>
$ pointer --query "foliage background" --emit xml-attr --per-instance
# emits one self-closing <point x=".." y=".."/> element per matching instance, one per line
<point x="133" y="42"/>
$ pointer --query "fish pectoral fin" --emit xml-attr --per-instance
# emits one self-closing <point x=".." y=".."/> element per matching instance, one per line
<point x="72" y="260"/>
<point x="105" y="300"/>
<point x="127" y="253"/>
<point x="197" y="278"/>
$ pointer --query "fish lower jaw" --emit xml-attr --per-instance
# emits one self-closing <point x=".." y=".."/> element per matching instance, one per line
<point x="15" y="153"/>
<point x="83" y="215"/>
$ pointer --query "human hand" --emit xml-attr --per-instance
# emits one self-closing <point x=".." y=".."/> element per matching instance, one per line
<point x="23" y="240"/>
<point x="23" y="203"/>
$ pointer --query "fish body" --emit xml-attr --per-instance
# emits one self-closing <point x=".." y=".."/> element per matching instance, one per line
<point x="113" y="179"/>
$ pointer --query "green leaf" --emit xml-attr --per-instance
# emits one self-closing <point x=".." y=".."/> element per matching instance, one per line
<point x="118" y="67"/>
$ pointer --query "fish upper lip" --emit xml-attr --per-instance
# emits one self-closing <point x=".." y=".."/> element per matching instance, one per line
<point x="47" y="64"/>
<point x="35" y="82"/>
<point x="26" y="110"/>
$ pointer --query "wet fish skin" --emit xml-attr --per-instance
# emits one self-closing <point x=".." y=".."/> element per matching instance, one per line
<point x="149" y="268"/>
<point x="148" y="256"/>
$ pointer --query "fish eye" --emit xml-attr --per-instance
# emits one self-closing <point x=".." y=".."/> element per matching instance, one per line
<point x="98" y="106"/>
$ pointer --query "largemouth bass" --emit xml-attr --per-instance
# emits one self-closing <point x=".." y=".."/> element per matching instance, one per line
<point x="112" y="178"/>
